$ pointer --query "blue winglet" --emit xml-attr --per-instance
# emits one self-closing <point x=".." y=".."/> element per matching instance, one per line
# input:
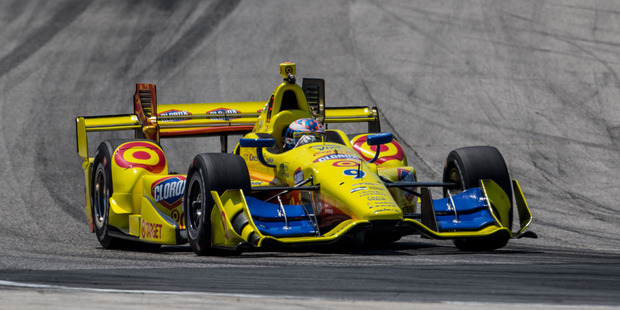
<point x="270" y="220"/>
<point x="467" y="211"/>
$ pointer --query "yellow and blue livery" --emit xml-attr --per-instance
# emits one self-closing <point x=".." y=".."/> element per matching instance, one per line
<point x="356" y="187"/>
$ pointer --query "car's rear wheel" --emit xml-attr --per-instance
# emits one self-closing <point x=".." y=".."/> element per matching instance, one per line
<point x="101" y="191"/>
<point x="466" y="167"/>
<point x="210" y="172"/>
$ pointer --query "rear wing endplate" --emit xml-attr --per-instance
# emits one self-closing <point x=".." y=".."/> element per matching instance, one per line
<point x="85" y="124"/>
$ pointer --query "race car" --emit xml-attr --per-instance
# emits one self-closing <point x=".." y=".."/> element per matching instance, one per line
<point x="267" y="193"/>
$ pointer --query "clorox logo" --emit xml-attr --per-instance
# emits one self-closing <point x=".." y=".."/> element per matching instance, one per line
<point x="168" y="191"/>
<point x="226" y="113"/>
<point x="175" y="112"/>
<point x="333" y="157"/>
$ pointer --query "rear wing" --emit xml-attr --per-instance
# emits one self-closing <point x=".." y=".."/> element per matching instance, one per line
<point x="153" y="121"/>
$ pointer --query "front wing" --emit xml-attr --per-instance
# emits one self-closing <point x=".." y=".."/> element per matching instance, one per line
<point x="471" y="216"/>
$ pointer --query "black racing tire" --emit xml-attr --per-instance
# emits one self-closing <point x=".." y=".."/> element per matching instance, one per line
<point x="101" y="191"/>
<point x="210" y="172"/>
<point x="466" y="167"/>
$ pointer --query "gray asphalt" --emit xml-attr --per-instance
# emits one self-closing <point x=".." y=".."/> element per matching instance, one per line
<point x="537" y="79"/>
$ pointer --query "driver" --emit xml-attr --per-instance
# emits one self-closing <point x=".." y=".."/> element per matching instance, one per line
<point x="302" y="131"/>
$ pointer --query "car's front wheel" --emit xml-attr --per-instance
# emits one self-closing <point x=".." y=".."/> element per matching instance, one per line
<point x="466" y="167"/>
<point x="209" y="172"/>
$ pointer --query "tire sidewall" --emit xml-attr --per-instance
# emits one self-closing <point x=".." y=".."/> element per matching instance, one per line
<point x="475" y="163"/>
<point x="102" y="164"/>
<point x="198" y="237"/>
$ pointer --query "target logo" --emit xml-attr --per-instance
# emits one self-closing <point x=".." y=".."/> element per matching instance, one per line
<point x="140" y="154"/>
<point x="345" y="163"/>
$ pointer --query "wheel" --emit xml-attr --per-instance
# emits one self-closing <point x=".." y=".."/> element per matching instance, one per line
<point x="466" y="167"/>
<point x="210" y="172"/>
<point x="101" y="191"/>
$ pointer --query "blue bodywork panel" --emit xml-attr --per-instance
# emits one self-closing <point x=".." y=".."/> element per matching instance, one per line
<point x="271" y="220"/>
<point x="472" y="211"/>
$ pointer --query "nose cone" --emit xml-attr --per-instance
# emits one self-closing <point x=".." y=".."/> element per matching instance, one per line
<point x="355" y="191"/>
<point x="361" y="196"/>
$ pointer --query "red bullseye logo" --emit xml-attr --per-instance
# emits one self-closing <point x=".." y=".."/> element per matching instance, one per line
<point x="345" y="163"/>
<point x="390" y="151"/>
<point x="140" y="154"/>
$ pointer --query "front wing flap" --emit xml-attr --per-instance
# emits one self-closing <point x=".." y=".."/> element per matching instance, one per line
<point x="471" y="213"/>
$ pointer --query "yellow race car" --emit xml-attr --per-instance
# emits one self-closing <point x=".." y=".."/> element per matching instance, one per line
<point x="274" y="190"/>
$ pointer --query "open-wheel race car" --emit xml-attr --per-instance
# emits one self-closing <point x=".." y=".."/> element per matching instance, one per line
<point x="268" y="192"/>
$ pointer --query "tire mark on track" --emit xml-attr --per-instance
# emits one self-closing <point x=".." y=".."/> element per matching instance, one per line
<point x="203" y="27"/>
<point x="33" y="43"/>
<point x="423" y="165"/>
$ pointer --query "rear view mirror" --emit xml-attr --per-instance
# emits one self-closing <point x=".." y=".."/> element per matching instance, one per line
<point x="259" y="144"/>
<point x="378" y="139"/>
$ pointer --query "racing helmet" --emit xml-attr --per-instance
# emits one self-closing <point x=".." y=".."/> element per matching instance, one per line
<point x="301" y="129"/>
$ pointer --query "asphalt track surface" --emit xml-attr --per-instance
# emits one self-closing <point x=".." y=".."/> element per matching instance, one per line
<point x="538" y="79"/>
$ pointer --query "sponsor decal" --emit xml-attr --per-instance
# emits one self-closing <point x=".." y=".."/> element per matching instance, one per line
<point x="355" y="173"/>
<point x="345" y="163"/>
<point x="168" y="191"/>
<point x="357" y="189"/>
<point x="140" y="154"/>
<point x="390" y="210"/>
<point x="226" y="113"/>
<point x="376" y="198"/>
<point x="298" y="176"/>
<point x="287" y="69"/>
<point x="372" y="192"/>
<point x="175" y="112"/>
<point x="333" y="157"/>
<point x="324" y="152"/>
<point x="250" y="157"/>
<point x="325" y="147"/>
<point x="406" y="175"/>
<point x="179" y="217"/>
<point x="150" y="230"/>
